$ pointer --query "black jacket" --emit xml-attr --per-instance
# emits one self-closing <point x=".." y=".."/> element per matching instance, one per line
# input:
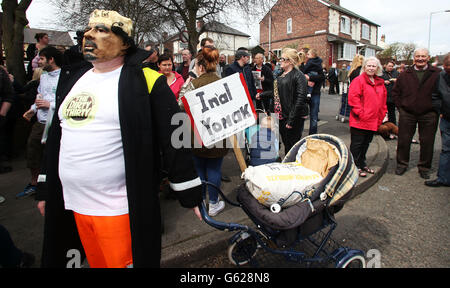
<point x="332" y="75"/>
<point x="266" y="72"/>
<point x="355" y="73"/>
<point x="292" y="92"/>
<point x="146" y="131"/>
<point x="442" y="95"/>
<point x="248" y="76"/>
<point x="6" y="88"/>
<point x="386" y="76"/>
<point x="315" y="65"/>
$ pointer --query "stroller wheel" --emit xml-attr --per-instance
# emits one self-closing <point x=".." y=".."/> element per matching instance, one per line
<point x="356" y="261"/>
<point x="241" y="251"/>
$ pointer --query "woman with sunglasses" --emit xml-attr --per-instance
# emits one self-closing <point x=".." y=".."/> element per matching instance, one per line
<point x="290" y="99"/>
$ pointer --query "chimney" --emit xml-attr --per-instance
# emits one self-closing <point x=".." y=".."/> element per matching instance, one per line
<point x="383" y="38"/>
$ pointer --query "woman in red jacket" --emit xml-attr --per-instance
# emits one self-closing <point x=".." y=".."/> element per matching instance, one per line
<point x="367" y="96"/>
<point x="174" y="80"/>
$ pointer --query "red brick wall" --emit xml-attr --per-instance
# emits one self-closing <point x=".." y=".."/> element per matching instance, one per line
<point x="305" y="22"/>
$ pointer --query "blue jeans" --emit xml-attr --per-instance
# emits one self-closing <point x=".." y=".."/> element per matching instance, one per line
<point x="444" y="159"/>
<point x="314" y="106"/>
<point x="210" y="170"/>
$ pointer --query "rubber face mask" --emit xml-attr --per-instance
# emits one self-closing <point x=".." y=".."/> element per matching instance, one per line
<point x="100" y="44"/>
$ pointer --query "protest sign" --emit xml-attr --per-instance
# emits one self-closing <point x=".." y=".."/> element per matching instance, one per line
<point x="220" y="109"/>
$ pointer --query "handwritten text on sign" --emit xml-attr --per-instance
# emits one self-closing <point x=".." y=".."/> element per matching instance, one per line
<point x="220" y="109"/>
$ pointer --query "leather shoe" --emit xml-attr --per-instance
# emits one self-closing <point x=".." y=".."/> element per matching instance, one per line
<point x="434" y="183"/>
<point x="400" y="170"/>
<point x="424" y="174"/>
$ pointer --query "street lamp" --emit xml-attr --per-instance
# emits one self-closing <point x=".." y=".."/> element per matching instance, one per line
<point x="429" y="31"/>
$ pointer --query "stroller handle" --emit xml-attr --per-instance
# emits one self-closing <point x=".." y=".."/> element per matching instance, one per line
<point x="214" y="223"/>
<point x="205" y="185"/>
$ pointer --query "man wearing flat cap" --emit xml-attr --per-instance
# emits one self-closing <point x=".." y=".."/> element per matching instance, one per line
<point x="240" y="65"/>
<point x="112" y="119"/>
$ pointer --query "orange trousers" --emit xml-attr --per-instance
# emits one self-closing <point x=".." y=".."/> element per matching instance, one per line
<point x="106" y="240"/>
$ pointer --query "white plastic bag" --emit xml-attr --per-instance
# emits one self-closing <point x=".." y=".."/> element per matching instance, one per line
<point x="273" y="182"/>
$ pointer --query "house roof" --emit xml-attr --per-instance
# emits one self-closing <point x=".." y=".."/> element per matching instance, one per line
<point x="346" y="11"/>
<point x="218" y="27"/>
<point x="56" y="37"/>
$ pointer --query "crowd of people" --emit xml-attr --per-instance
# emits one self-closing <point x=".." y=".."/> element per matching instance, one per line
<point x="106" y="105"/>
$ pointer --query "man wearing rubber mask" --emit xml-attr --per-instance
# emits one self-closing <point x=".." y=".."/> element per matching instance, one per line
<point x="111" y="121"/>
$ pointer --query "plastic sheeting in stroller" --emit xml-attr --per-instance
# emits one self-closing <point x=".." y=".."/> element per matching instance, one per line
<point x="307" y="241"/>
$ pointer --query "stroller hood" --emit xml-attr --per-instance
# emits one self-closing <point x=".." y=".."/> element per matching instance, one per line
<point x="346" y="174"/>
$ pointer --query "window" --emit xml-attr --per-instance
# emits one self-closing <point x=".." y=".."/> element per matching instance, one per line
<point x="345" y="24"/>
<point x="346" y="51"/>
<point x="277" y="52"/>
<point x="289" y="26"/>
<point x="369" y="52"/>
<point x="365" y="31"/>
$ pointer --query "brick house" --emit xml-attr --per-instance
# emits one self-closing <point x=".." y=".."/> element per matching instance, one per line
<point x="226" y="39"/>
<point x="337" y="33"/>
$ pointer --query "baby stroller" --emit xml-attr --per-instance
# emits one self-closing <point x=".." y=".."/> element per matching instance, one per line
<point x="301" y="233"/>
<point x="344" y="110"/>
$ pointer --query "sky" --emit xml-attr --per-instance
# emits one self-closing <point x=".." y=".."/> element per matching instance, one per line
<point x="401" y="21"/>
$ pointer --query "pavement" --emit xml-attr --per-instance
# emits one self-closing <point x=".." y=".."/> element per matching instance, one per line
<point x="186" y="239"/>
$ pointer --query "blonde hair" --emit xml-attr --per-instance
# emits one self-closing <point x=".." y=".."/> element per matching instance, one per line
<point x="301" y="57"/>
<point x="379" y="71"/>
<point x="291" y="56"/>
<point x="36" y="74"/>
<point x="357" y="62"/>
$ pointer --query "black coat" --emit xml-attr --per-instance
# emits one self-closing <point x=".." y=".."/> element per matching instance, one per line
<point x="292" y="93"/>
<point x="266" y="72"/>
<point x="332" y="75"/>
<point x="248" y="76"/>
<point x="146" y="131"/>
<point x="387" y="76"/>
<point x="315" y="65"/>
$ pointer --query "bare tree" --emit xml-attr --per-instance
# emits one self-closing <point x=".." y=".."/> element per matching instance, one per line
<point x="14" y="19"/>
<point x="154" y="18"/>
<point x="398" y="51"/>
<point x="74" y="14"/>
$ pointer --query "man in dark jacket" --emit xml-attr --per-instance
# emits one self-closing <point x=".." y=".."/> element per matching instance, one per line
<point x="333" y="79"/>
<point x="314" y="74"/>
<point x="266" y="79"/>
<point x="113" y="97"/>
<point x="413" y="97"/>
<point x="443" y="92"/>
<point x="390" y="76"/>
<point x="183" y="69"/>
<point x="240" y="65"/>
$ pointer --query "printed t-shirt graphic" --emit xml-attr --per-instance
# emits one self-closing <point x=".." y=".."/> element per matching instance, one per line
<point x="80" y="109"/>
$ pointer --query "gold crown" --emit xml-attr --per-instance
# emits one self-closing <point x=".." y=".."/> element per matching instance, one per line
<point x="111" y="18"/>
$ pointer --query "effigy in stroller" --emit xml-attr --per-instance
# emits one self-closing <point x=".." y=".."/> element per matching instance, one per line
<point x="290" y="231"/>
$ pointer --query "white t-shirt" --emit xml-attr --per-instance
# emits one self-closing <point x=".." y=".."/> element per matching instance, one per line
<point x="91" y="161"/>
